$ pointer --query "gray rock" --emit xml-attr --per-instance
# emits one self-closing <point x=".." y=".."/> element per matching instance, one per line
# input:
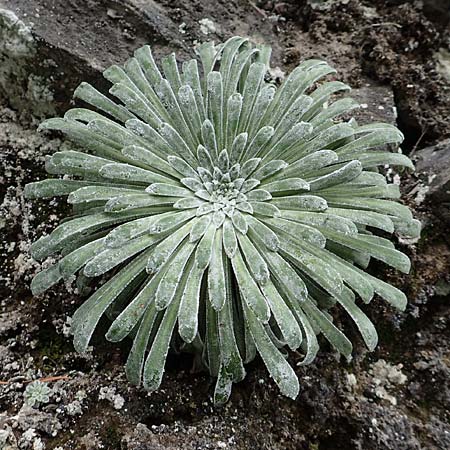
<point x="377" y="104"/>
<point x="141" y="438"/>
<point x="9" y="321"/>
<point x="443" y="60"/>
<point x="22" y="85"/>
<point x="33" y="418"/>
<point x="387" y="429"/>
<point x="433" y="168"/>
<point x="47" y="48"/>
<point x="7" y="439"/>
<point x="438" y="432"/>
<point x="438" y="10"/>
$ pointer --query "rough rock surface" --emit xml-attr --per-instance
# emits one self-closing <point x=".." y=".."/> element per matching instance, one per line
<point x="377" y="103"/>
<point x="433" y="168"/>
<point x="397" y="397"/>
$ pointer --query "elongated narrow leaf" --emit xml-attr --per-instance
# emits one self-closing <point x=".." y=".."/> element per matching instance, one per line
<point x="154" y="364"/>
<point x="283" y="315"/>
<point x="171" y="279"/>
<point x="45" y="279"/>
<point x="53" y="187"/>
<point x="111" y="257"/>
<point x="217" y="289"/>
<point x="278" y="367"/>
<point x="75" y="260"/>
<point x="88" y="315"/>
<point x="253" y="297"/>
<point x="135" y="361"/>
<point x="365" y="326"/>
<point x="255" y="262"/>
<point x="336" y="338"/>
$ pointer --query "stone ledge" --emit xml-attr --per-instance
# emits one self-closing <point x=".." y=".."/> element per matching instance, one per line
<point x="433" y="169"/>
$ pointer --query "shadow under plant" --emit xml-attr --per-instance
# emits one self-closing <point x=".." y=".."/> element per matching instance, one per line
<point x="395" y="398"/>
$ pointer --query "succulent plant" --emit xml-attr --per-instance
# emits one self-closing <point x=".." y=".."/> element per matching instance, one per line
<point x="233" y="216"/>
<point x="36" y="393"/>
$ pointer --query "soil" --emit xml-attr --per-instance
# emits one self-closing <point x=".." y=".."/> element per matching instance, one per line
<point x="398" y="397"/>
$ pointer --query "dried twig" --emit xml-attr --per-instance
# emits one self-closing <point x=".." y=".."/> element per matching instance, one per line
<point x="56" y="378"/>
<point x="43" y="379"/>
<point x="414" y="149"/>
<point x="258" y="10"/>
<point x="383" y="24"/>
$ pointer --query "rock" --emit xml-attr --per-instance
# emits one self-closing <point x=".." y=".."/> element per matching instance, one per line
<point x="46" y="54"/>
<point x="53" y="45"/>
<point x="438" y="432"/>
<point x="388" y="373"/>
<point x="377" y="104"/>
<point x="443" y="60"/>
<point x="48" y="47"/>
<point x="437" y="10"/>
<point x="109" y="393"/>
<point x="30" y="418"/>
<point x="9" y="322"/>
<point x="442" y="288"/>
<point x="91" y="441"/>
<point x="7" y="439"/>
<point x="20" y="84"/>
<point x="141" y="438"/>
<point x="433" y="169"/>
<point x="207" y="26"/>
<point x="387" y="427"/>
